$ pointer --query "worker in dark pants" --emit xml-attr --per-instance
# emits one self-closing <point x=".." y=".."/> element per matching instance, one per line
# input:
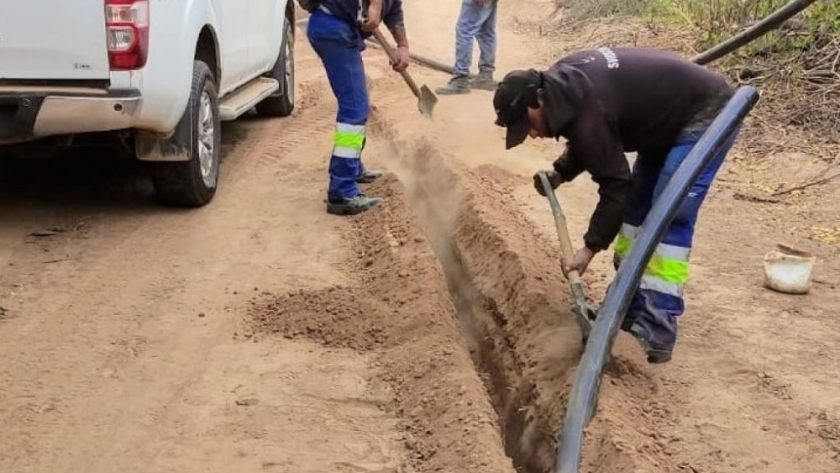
<point x="476" y="22"/>
<point x="337" y="30"/>
<point x="606" y="102"/>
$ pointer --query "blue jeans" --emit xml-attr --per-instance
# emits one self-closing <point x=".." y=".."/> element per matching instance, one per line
<point x="658" y="301"/>
<point x="337" y="43"/>
<point x="476" y="23"/>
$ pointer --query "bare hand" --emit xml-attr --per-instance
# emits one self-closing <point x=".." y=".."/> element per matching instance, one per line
<point x="402" y="59"/>
<point x="374" y="18"/>
<point x="579" y="262"/>
<point x="554" y="178"/>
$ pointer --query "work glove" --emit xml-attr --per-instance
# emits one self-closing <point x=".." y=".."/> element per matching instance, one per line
<point x="554" y="178"/>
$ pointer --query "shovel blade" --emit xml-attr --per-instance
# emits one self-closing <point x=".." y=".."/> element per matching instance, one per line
<point x="584" y="320"/>
<point x="427" y="101"/>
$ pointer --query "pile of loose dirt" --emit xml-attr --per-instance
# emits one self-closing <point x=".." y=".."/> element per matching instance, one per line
<point x="400" y="310"/>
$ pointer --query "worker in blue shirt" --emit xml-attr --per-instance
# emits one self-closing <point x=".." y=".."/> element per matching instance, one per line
<point x="337" y="30"/>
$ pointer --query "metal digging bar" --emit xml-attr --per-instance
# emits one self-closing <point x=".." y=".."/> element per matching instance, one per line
<point x="419" y="59"/>
<point x="425" y="61"/>
<point x="584" y="396"/>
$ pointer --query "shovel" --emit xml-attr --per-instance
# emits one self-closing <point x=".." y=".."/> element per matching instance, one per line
<point x="583" y="312"/>
<point x="426" y="99"/>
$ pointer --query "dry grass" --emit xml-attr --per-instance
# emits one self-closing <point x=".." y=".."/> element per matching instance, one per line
<point x="579" y="11"/>
<point x="799" y="80"/>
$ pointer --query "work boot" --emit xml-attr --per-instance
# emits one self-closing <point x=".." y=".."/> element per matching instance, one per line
<point x="367" y="176"/>
<point x="457" y="85"/>
<point x="353" y="206"/>
<point x="657" y="351"/>
<point x="484" y="80"/>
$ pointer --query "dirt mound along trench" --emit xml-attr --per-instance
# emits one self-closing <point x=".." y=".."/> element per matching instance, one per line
<point x="461" y="300"/>
<point x="400" y="311"/>
<point x="514" y="307"/>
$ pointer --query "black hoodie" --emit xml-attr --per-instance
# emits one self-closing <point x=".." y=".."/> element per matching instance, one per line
<point x="606" y="102"/>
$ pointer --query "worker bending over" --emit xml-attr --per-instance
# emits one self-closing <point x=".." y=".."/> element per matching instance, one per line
<point x="337" y="30"/>
<point x="606" y="102"/>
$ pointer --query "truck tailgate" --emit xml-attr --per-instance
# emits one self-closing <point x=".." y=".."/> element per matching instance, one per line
<point x="53" y="39"/>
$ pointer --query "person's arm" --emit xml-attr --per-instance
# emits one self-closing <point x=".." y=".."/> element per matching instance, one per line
<point x="400" y="35"/>
<point x="608" y="215"/>
<point x="395" y="21"/>
<point x="374" y="16"/>
<point x="598" y="149"/>
<point x="568" y="166"/>
<point x="594" y="144"/>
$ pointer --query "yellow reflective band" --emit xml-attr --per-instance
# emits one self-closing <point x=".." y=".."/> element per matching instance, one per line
<point x="622" y="245"/>
<point x="652" y="283"/>
<point x="344" y="139"/>
<point x="668" y="264"/>
<point x="669" y="270"/>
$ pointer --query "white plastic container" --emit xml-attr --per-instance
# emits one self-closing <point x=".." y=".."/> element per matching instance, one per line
<point x="788" y="270"/>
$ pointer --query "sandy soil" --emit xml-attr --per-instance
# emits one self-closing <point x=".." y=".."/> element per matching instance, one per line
<point x="433" y="334"/>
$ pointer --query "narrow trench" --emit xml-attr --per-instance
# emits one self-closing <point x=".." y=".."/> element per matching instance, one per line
<point x="483" y="327"/>
<point x="475" y="313"/>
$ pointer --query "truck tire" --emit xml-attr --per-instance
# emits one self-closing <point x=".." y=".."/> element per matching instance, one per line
<point x="282" y="102"/>
<point x="193" y="183"/>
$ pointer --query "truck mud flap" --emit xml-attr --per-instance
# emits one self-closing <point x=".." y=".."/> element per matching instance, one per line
<point x="155" y="147"/>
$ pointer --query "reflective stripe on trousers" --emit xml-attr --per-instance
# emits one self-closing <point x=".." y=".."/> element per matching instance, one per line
<point x="348" y="141"/>
<point x="667" y="270"/>
<point x="337" y="44"/>
<point x="658" y="303"/>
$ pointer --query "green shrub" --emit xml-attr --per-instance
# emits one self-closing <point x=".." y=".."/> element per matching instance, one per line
<point x="797" y="65"/>
<point x="718" y="20"/>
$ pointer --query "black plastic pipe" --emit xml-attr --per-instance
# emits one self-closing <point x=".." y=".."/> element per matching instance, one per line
<point x="584" y="396"/>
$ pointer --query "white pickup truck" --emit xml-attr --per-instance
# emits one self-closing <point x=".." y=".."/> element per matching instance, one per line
<point x="158" y="76"/>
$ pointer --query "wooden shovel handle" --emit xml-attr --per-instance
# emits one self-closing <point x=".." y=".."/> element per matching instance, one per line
<point x="394" y="58"/>
<point x="560" y="223"/>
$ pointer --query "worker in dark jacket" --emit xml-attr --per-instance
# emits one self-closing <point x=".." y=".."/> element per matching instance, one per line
<point x="337" y="30"/>
<point x="606" y="102"/>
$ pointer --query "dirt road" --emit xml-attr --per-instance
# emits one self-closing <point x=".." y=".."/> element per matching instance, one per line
<point x="433" y="334"/>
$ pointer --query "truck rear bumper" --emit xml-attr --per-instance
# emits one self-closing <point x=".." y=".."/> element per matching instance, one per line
<point x="33" y="113"/>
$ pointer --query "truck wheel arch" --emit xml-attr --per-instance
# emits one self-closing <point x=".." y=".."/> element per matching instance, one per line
<point x="207" y="51"/>
<point x="151" y="146"/>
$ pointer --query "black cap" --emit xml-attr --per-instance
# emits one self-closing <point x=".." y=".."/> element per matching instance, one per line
<point x="516" y="92"/>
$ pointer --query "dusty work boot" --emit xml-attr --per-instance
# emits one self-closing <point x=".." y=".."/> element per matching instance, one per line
<point x="368" y="175"/>
<point x="457" y="85"/>
<point x="484" y="80"/>
<point x="657" y="348"/>
<point x="356" y="205"/>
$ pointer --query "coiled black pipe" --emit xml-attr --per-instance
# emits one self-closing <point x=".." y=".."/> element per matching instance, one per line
<point x="584" y="396"/>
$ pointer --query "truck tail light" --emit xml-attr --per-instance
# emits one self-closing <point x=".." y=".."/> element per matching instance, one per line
<point x="127" y="25"/>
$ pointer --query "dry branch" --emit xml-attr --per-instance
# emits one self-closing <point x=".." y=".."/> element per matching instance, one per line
<point x="806" y="185"/>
